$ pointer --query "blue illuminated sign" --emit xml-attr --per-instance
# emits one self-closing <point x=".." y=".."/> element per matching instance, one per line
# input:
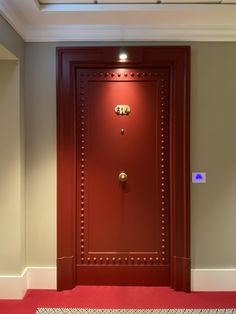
<point x="198" y="177"/>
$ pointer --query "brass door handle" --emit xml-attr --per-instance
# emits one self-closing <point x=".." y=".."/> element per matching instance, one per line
<point x="123" y="177"/>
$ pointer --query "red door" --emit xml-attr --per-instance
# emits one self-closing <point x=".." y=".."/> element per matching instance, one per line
<point x="122" y="176"/>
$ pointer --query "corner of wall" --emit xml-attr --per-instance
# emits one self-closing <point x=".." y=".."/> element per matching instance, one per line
<point x="15" y="287"/>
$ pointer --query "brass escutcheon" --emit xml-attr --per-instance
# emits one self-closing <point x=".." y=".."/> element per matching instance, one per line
<point x="123" y="177"/>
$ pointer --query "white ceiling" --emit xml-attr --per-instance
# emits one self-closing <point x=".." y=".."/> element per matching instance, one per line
<point x="112" y="20"/>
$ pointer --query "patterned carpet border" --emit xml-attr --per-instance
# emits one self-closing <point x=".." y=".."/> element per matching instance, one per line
<point x="133" y="311"/>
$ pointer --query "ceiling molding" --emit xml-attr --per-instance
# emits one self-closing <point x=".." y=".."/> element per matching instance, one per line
<point x="171" y="22"/>
<point x="13" y="18"/>
<point x="130" y="33"/>
<point x="103" y="7"/>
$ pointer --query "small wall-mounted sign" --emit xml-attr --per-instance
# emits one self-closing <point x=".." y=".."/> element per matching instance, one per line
<point x="122" y="110"/>
<point x="198" y="177"/>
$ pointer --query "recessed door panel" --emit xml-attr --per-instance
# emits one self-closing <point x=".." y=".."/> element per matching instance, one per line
<point x="123" y="176"/>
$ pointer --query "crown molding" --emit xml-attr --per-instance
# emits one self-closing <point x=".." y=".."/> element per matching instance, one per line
<point x="28" y="19"/>
<point x="130" y="33"/>
<point x="12" y="18"/>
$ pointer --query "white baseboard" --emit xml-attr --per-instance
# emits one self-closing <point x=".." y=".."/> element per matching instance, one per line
<point x="41" y="278"/>
<point x="14" y="287"/>
<point x="213" y="279"/>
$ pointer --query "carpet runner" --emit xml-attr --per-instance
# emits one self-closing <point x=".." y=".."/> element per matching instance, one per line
<point x="133" y="311"/>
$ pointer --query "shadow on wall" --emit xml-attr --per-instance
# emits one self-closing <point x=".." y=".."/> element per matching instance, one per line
<point x="11" y="167"/>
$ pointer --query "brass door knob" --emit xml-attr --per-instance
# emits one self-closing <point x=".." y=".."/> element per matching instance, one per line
<point x="123" y="177"/>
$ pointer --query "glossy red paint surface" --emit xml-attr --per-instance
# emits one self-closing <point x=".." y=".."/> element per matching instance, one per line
<point x="123" y="227"/>
<point x="72" y="194"/>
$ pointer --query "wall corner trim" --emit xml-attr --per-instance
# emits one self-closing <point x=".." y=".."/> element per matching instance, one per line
<point x="15" y="286"/>
<point x="213" y="279"/>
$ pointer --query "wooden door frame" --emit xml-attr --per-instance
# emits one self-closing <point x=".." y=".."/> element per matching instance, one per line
<point x="177" y="58"/>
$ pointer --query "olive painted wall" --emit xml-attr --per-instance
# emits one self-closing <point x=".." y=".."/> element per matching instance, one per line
<point x="213" y="131"/>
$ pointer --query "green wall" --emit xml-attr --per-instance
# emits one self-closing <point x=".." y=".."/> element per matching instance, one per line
<point x="213" y="131"/>
<point x="12" y="159"/>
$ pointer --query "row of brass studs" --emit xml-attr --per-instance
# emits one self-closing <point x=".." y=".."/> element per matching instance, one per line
<point x="82" y="169"/>
<point x="120" y="75"/>
<point x="119" y="260"/>
<point x="163" y="167"/>
<point x="163" y="175"/>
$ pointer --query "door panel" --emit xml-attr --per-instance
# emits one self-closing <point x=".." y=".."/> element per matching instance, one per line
<point x="123" y="227"/>
<point x="73" y="234"/>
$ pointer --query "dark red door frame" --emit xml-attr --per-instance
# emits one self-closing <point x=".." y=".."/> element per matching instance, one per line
<point x="178" y="60"/>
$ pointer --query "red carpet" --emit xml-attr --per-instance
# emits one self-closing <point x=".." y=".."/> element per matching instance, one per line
<point x="117" y="297"/>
